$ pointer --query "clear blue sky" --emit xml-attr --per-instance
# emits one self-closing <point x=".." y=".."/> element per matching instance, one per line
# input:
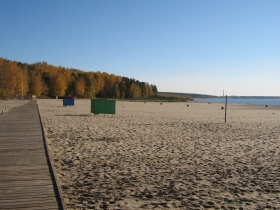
<point x="191" y="46"/>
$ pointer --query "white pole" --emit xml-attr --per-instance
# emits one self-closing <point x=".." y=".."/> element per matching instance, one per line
<point x="226" y="109"/>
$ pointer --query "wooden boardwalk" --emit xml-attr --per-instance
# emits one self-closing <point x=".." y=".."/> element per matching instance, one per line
<point x="26" y="178"/>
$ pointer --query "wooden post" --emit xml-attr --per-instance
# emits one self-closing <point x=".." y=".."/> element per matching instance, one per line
<point x="226" y="110"/>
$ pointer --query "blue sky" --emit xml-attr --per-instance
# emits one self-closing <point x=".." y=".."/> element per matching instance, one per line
<point x="190" y="46"/>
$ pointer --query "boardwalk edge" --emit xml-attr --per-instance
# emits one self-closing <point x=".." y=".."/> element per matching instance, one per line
<point x="51" y="162"/>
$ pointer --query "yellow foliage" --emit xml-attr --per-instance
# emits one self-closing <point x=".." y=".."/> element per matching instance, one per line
<point x="36" y="85"/>
<point x="58" y="84"/>
<point x="80" y="86"/>
<point x="134" y="91"/>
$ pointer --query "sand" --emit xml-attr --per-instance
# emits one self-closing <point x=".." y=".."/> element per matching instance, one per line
<point x="169" y="156"/>
<point x="8" y="105"/>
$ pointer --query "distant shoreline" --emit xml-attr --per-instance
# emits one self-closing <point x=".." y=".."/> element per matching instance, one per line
<point x="195" y="95"/>
<point x="245" y="101"/>
<point x="251" y="97"/>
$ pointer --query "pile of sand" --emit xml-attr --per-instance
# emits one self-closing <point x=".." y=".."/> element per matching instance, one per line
<point x="169" y="156"/>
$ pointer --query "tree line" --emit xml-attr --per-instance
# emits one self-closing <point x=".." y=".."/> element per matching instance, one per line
<point x="45" y="80"/>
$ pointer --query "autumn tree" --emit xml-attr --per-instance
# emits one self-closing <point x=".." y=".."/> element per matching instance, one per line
<point x="134" y="91"/>
<point x="36" y="85"/>
<point x="154" y="88"/>
<point x="91" y="93"/>
<point x="21" y="87"/>
<point x="46" y="81"/>
<point x="122" y="88"/>
<point x="57" y="84"/>
<point x="151" y="90"/>
<point x="111" y="87"/>
<point x="145" y="93"/>
<point x="88" y="87"/>
<point x="4" y="76"/>
<point x="8" y="79"/>
<point x="99" y="84"/>
<point x="80" y="87"/>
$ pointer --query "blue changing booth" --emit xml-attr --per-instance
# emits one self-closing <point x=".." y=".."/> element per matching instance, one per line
<point x="68" y="101"/>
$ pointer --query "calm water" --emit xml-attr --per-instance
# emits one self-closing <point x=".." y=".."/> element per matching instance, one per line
<point x="241" y="101"/>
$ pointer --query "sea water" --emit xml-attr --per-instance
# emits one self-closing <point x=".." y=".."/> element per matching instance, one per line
<point x="274" y="101"/>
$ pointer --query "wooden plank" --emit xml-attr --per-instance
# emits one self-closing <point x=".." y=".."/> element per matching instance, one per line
<point x="26" y="180"/>
<point x="21" y="168"/>
<point x="27" y="191"/>
<point x="35" y="208"/>
<point x="16" y="205"/>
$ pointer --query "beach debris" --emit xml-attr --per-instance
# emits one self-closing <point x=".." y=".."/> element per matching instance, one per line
<point x="187" y="105"/>
<point x="265" y="105"/>
<point x="222" y="107"/>
<point x="2" y="111"/>
<point x="160" y="103"/>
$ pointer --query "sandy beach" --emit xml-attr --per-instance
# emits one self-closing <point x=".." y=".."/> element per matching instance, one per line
<point x="8" y="105"/>
<point x="169" y="156"/>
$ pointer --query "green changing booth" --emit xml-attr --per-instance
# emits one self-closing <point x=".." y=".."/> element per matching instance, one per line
<point x="103" y="106"/>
